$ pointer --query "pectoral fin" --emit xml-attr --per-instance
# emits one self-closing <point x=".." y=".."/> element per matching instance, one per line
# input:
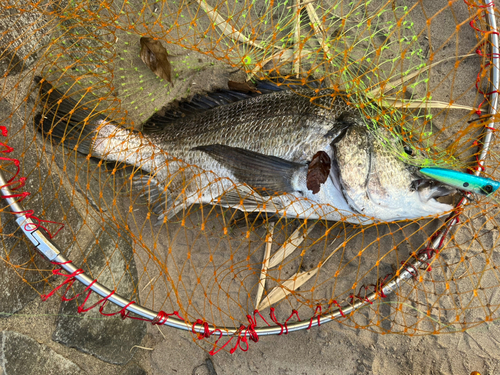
<point x="267" y="174"/>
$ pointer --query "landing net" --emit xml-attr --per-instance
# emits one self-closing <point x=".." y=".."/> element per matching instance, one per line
<point x="426" y="71"/>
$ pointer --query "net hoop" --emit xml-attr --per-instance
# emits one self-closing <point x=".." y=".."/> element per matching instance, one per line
<point x="51" y="252"/>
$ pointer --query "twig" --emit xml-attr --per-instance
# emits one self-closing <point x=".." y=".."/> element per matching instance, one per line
<point x="150" y="281"/>
<point x="399" y="82"/>
<point x="140" y="347"/>
<point x="320" y="34"/>
<point x="225" y="27"/>
<point x="393" y="102"/>
<point x="296" y="41"/>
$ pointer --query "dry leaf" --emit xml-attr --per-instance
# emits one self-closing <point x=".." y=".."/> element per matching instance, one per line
<point x="241" y="87"/>
<point x="289" y="246"/>
<point x="280" y="292"/>
<point x="155" y="56"/>
<point x="393" y="102"/>
<point x="318" y="171"/>
<point x="226" y="28"/>
<point x="294" y="282"/>
<point x="265" y="265"/>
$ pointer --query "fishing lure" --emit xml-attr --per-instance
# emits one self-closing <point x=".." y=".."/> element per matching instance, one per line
<point x="462" y="181"/>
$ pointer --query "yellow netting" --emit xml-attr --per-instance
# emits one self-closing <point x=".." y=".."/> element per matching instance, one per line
<point x="420" y="69"/>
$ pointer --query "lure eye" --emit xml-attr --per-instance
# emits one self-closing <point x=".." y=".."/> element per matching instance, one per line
<point x="488" y="189"/>
<point x="408" y="150"/>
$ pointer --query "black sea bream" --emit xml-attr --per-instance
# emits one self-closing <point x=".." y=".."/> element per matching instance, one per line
<point x="257" y="154"/>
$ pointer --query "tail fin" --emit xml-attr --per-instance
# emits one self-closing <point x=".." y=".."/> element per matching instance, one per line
<point x="64" y="120"/>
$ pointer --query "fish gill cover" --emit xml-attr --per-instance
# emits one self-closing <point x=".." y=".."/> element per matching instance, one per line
<point x="418" y="73"/>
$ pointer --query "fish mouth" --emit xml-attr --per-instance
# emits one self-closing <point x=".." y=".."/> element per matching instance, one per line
<point x="433" y="191"/>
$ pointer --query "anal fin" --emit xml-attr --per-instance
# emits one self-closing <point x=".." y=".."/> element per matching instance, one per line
<point x="159" y="198"/>
<point x="246" y="199"/>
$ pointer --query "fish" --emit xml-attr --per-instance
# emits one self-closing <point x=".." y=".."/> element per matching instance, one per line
<point x="275" y="151"/>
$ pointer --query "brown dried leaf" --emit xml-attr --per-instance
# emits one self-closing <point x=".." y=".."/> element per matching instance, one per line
<point x="241" y="87"/>
<point x="155" y="56"/>
<point x="318" y="171"/>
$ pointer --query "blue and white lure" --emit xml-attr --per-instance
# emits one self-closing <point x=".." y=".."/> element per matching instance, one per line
<point x="462" y="181"/>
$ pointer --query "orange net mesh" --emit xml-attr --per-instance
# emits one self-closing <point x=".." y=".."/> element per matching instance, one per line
<point x="422" y="71"/>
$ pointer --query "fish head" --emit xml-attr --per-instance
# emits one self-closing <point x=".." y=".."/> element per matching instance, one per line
<point x="377" y="182"/>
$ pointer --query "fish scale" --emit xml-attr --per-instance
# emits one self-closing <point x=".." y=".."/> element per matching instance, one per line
<point x="283" y="115"/>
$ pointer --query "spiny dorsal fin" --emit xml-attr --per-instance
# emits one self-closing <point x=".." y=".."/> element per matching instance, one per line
<point x="201" y="103"/>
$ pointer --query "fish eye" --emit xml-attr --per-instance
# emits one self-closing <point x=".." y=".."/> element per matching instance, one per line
<point x="408" y="150"/>
<point x="487" y="189"/>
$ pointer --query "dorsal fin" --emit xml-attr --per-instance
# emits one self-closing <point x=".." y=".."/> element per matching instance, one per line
<point x="201" y="103"/>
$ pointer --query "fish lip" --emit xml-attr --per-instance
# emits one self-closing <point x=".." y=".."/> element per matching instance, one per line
<point x="429" y="189"/>
<point x="442" y="191"/>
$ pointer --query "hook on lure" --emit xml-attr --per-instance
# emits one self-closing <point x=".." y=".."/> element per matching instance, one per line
<point x="462" y="181"/>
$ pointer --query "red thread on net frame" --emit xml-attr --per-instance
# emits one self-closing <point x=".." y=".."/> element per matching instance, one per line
<point x="479" y="52"/>
<point x="365" y="298"/>
<point x="29" y="214"/>
<point x="472" y="24"/>
<point x="339" y="307"/>
<point x="490" y="5"/>
<point x="275" y="320"/>
<point x="317" y="314"/>
<point x="294" y="312"/>
<point x="160" y="318"/>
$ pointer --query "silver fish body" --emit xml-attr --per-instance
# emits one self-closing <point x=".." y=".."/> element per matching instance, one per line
<point x="254" y="155"/>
